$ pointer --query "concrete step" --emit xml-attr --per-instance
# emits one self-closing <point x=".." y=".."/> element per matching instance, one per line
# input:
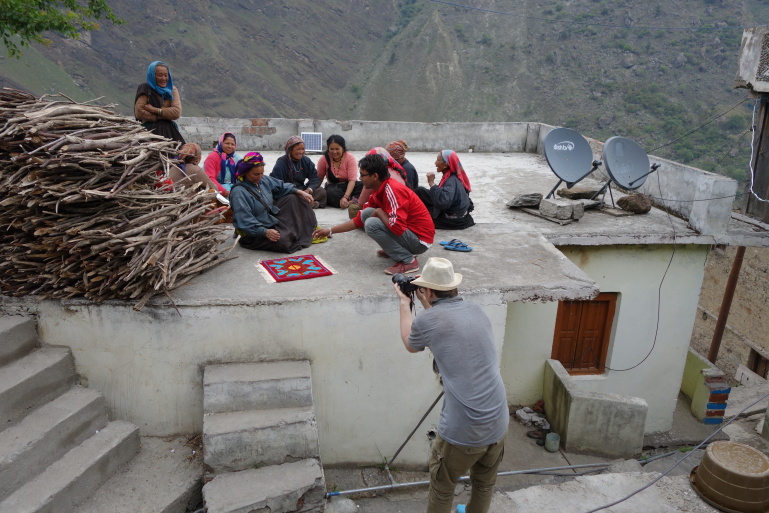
<point x="45" y="435"/>
<point x="242" y="440"/>
<point x="32" y="381"/>
<point x="165" y="477"/>
<point x="291" y="487"/>
<point x="18" y="337"/>
<point x="71" y="479"/>
<point x="256" y="386"/>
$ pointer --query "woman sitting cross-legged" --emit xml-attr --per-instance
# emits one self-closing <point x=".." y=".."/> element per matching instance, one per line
<point x="186" y="170"/>
<point x="340" y="169"/>
<point x="296" y="168"/>
<point x="268" y="213"/>
<point x="449" y="202"/>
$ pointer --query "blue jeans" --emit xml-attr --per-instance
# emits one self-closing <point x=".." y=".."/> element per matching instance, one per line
<point x="401" y="248"/>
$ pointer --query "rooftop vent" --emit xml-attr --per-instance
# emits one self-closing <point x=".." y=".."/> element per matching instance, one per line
<point x="753" y="71"/>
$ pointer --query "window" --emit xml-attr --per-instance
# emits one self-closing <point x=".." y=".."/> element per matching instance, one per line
<point x="757" y="363"/>
<point x="582" y="332"/>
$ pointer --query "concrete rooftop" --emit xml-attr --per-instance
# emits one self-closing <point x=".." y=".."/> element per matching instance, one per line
<point x="513" y="252"/>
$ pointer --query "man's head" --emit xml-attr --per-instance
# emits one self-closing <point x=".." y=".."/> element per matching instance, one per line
<point x="373" y="171"/>
<point x="438" y="276"/>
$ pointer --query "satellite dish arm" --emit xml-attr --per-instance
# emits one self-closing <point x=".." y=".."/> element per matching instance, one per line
<point x="596" y="163"/>
<point x="653" y="169"/>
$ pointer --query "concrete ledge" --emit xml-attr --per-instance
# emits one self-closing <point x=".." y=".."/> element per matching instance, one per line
<point x="18" y="337"/>
<point x="605" y="424"/>
<point x="256" y="386"/>
<point x="705" y="386"/>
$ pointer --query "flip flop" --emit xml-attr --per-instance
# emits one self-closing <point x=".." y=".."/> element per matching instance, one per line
<point x="449" y="242"/>
<point x="458" y="246"/>
<point x="319" y="240"/>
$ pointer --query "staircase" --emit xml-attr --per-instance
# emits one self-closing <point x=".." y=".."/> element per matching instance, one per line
<point x="58" y="450"/>
<point x="260" y="439"/>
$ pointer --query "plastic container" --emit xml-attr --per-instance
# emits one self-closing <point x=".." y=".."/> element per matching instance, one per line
<point x="733" y="477"/>
<point x="552" y="442"/>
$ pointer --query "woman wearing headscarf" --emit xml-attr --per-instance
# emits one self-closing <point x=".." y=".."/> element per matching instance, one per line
<point x="396" y="171"/>
<point x="220" y="164"/>
<point x="158" y="104"/>
<point x="340" y="169"/>
<point x="297" y="169"/>
<point x="269" y="214"/>
<point x="449" y="202"/>
<point x="186" y="171"/>
<point x="397" y="149"/>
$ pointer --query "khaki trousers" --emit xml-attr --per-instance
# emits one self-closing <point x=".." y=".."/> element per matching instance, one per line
<point x="449" y="462"/>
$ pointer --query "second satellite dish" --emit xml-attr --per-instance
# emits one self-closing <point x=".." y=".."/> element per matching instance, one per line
<point x="569" y="156"/>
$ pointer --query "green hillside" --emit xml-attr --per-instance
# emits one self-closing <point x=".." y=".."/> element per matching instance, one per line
<point x="652" y="71"/>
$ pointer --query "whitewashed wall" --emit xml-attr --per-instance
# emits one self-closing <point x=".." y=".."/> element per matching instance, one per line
<point x="635" y="272"/>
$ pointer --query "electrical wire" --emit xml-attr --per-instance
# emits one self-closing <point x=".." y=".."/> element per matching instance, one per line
<point x="659" y="290"/>
<point x="668" y="471"/>
<point x="605" y="25"/>
<point x="751" y="165"/>
<point x="698" y="128"/>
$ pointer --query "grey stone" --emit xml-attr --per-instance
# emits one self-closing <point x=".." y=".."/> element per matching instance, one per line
<point x="578" y="192"/>
<point x="249" y="386"/>
<point x="341" y="505"/>
<point x="578" y="209"/>
<point x="283" y="488"/>
<point x="71" y="479"/>
<point x="525" y="200"/>
<point x="557" y="209"/>
<point x="241" y="440"/>
<point x="620" y="466"/>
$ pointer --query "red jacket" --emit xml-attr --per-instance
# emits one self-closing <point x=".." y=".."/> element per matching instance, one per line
<point x="404" y="209"/>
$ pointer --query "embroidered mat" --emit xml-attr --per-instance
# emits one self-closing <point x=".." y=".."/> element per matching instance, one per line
<point x="294" y="268"/>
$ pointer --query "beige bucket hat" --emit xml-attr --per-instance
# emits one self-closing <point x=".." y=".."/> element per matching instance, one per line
<point x="438" y="274"/>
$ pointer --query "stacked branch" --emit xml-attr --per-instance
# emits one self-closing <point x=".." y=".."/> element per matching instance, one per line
<point x="81" y="211"/>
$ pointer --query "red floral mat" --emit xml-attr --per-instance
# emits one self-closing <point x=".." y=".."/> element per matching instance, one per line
<point x="295" y="268"/>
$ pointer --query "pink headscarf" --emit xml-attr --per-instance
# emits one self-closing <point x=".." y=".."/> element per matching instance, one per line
<point x="391" y="163"/>
<point x="451" y="158"/>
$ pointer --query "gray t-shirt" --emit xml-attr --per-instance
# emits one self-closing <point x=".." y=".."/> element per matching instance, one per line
<point x="459" y="334"/>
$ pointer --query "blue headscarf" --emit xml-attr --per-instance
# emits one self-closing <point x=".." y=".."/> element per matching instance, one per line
<point x="226" y="176"/>
<point x="166" y="92"/>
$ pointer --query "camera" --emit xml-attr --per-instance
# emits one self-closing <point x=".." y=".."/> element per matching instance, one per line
<point x="404" y="283"/>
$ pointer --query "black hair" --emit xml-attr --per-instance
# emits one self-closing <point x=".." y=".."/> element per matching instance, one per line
<point x="374" y="164"/>
<point x="445" y="293"/>
<point x="334" y="138"/>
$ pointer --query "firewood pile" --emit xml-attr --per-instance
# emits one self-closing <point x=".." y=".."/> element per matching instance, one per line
<point x="81" y="212"/>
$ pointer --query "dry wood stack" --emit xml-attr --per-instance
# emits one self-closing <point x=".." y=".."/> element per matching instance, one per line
<point x="81" y="214"/>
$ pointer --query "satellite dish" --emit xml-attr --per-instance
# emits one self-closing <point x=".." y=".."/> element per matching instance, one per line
<point x="626" y="163"/>
<point x="569" y="156"/>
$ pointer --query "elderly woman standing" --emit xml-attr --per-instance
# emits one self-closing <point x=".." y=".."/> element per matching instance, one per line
<point x="397" y="149"/>
<point x="341" y="172"/>
<point x="157" y="103"/>
<point x="268" y="213"/>
<point x="220" y="164"/>
<point x="296" y="168"/>
<point x="449" y="202"/>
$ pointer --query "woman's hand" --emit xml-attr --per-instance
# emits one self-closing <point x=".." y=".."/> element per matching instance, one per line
<point x="273" y="235"/>
<point x="225" y="193"/>
<point x="307" y="197"/>
<point x="431" y="179"/>
<point x="344" y="203"/>
<point x="149" y="109"/>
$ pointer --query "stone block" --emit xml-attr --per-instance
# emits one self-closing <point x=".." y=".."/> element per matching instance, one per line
<point x="557" y="209"/>
<point x="252" y="386"/>
<point x="296" y="486"/>
<point x="17" y="337"/>
<point x="248" y="439"/>
<point x="525" y="200"/>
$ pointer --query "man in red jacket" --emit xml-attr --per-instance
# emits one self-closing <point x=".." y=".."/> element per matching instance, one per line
<point x="393" y="216"/>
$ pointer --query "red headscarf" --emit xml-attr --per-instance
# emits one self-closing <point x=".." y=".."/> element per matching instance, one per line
<point x="451" y="158"/>
<point x="391" y="163"/>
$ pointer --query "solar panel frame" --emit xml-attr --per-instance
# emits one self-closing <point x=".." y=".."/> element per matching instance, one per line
<point x="313" y="141"/>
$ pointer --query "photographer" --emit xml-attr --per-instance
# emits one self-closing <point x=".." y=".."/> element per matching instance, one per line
<point x="474" y="418"/>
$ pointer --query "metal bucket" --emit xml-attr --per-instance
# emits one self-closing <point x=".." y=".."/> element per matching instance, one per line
<point x="733" y="477"/>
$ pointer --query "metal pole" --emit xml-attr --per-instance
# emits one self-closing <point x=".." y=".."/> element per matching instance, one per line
<point x="726" y="304"/>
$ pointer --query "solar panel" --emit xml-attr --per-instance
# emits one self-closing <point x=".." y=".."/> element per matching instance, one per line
<point x="313" y="141"/>
<point x="569" y="156"/>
